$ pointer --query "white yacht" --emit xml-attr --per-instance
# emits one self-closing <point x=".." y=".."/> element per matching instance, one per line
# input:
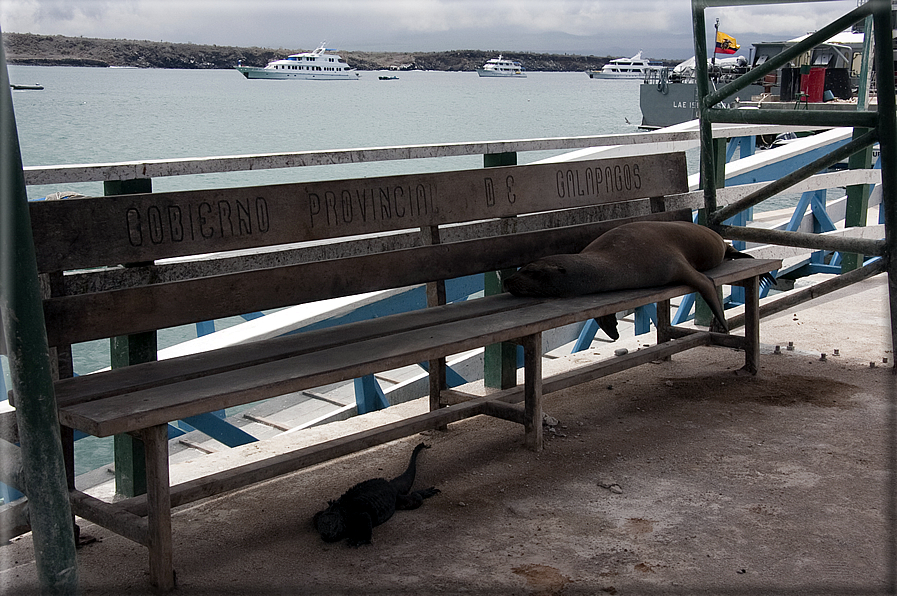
<point x="625" y="68"/>
<point x="499" y="67"/>
<point x="318" y="65"/>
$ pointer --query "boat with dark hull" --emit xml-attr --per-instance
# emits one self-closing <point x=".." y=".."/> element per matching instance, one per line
<point x="829" y="72"/>
<point x="669" y="96"/>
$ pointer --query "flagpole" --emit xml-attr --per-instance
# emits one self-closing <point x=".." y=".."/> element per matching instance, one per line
<point x="715" y="38"/>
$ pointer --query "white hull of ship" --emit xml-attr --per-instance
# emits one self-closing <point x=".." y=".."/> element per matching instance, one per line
<point x="501" y="75"/>
<point x="254" y="72"/>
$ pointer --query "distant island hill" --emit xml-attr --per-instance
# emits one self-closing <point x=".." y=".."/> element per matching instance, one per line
<point x="58" y="50"/>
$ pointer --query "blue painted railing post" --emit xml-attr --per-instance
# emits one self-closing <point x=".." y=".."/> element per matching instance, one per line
<point x="204" y="328"/>
<point x="368" y="395"/>
<point x="747" y="145"/>
<point x="9" y="494"/>
<point x="644" y="316"/>
<point x="821" y="222"/>
<point x="586" y="336"/>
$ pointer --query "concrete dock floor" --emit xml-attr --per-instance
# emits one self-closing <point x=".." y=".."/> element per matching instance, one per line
<point x="680" y="477"/>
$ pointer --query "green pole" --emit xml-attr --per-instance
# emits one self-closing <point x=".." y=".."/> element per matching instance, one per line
<point x="703" y="314"/>
<point x="858" y="195"/>
<point x="499" y="360"/>
<point x="29" y="358"/>
<point x="128" y="451"/>
<point x="702" y="81"/>
<point x="887" y="125"/>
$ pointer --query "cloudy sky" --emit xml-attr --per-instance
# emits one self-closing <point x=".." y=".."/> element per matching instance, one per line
<point x="662" y="28"/>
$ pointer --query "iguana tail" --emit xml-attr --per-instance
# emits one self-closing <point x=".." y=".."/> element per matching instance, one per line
<point x="403" y="483"/>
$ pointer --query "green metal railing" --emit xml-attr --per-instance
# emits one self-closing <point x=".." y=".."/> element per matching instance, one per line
<point x="879" y="127"/>
<point x="882" y="128"/>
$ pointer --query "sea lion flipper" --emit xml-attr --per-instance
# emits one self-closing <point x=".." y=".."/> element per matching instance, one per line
<point x="608" y="324"/>
<point x="708" y="292"/>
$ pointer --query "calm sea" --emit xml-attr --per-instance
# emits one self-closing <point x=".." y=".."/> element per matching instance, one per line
<point x="95" y="115"/>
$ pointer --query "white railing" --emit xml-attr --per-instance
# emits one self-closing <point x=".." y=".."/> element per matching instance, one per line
<point x="668" y="139"/>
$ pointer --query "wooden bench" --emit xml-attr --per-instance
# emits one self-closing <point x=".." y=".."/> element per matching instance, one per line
<point x="104" y="262"/>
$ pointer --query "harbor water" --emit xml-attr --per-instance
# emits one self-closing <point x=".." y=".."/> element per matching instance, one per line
<point x="97" y="115"/>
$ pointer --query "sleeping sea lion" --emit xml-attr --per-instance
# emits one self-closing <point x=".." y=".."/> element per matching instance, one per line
<point x="641" y="254"/>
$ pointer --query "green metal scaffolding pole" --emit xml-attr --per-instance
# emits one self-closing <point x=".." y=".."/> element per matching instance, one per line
<point x="29" y="362"/>
<point x="887" y="127"/>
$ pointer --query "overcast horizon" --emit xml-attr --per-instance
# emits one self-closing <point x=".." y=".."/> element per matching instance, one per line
<point x="659" y="28"/>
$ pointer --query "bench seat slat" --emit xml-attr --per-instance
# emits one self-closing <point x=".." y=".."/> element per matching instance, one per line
<point x="139" y="409"/>
<point x="144" y="376"/>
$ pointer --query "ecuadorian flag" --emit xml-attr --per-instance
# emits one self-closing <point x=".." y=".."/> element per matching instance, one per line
<point x="725" y="44"/>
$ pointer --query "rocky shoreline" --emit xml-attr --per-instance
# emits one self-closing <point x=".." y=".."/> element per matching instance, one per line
<point x="58" y="50"/>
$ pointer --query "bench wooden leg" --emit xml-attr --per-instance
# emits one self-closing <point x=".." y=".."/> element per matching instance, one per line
<point x="752" y="325"/>
<point x="158" y="500"/>
<point x="532" y="362"/>
<point x="664" y="324"/>
<point x="437" y="385"/>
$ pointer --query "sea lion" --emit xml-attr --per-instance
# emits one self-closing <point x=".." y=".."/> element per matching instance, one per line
<point x="640" y="254"/>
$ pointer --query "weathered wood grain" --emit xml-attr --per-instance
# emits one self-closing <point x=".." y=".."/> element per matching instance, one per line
<point x="466" y="407"/>
<point x="111" y="516"/>
<point x="232" y="251"/>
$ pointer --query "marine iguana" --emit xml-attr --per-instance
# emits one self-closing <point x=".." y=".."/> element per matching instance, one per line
<point x="369" y="504"/>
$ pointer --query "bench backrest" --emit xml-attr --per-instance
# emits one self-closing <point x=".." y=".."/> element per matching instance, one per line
<point x="173" y="242"/>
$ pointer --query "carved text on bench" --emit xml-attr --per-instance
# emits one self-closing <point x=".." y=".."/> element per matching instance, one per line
<point x="150" y="226"/>
<point x="203" y="220"/>
<point x="370" y="204"/>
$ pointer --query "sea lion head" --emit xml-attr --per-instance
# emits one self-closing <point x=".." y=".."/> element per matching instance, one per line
<point x="547" y="277"/>
<point x="331" y="523"/>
